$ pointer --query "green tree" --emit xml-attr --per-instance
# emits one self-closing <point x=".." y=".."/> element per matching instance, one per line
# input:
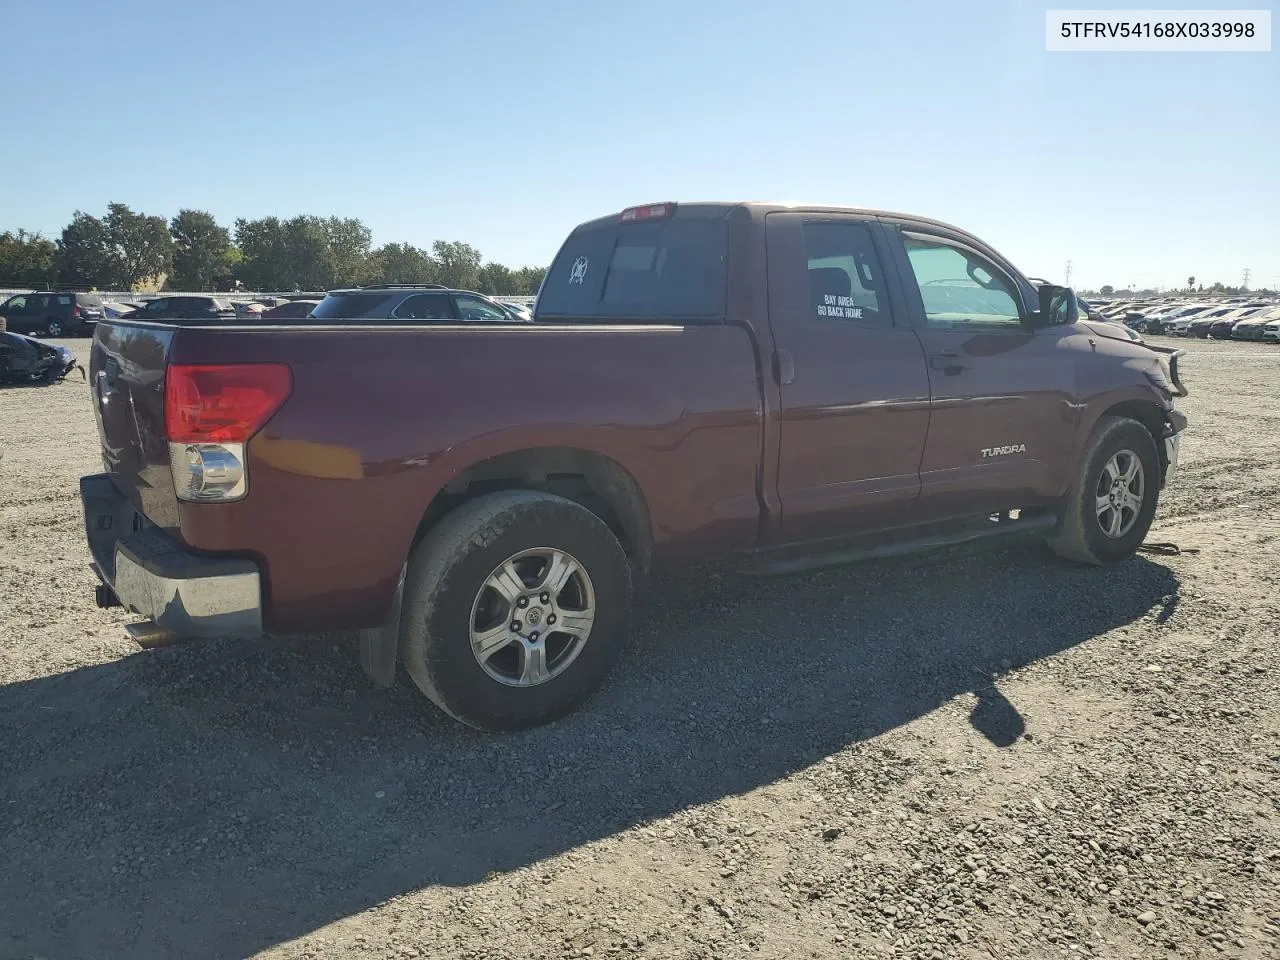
<point x="348" y="256"/>
<point x="528" y="280"/>
<point x="1191" y="282"/>
<point x="27" y="259"/>
<point x="139" y="246"/>
<point x="201" y="250"/>
<point x="84" y="257"/>
<point x="262" y="252"/>
<point x="459" y="264"/>
<point x="1107" y="290"/>
<point x="496" y="279"/>
<point x="402" y="263"/>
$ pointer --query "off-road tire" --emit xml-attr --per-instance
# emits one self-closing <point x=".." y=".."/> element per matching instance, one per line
<point x="446" y="572"/>
<point x="1079" y="536"/>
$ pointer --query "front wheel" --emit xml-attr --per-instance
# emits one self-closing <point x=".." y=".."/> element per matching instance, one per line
<point x="1112" y="502"/>
<point x="515" y="609"/>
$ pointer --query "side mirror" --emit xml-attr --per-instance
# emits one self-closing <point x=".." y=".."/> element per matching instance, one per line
<point x="1058" y="306"/>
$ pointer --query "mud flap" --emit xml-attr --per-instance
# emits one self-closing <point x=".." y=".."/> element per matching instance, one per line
<point x="380" y="646"/>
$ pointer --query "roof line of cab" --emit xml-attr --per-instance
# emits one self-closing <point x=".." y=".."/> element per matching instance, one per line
<point x="760" y="208"/>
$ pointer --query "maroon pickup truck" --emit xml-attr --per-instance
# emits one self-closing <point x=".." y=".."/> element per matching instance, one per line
<point x="790" y="386"/>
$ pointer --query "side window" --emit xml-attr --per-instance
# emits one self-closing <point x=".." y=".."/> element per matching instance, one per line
<point x="15" y="306"/>
<point x="64" y="301"/>
<point x="156" y="306"/>
<point x="844" y="273"/>
<point x="41" y="304"/>
<point x="473" y="308"/>
<point x="425" y="306"/>
<point x="960" y="288"/>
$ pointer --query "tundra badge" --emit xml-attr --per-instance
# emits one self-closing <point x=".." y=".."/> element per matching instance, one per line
<point x="1003" y="451"/>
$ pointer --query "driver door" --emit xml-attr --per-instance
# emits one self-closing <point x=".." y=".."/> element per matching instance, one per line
<point x="1002" y="411"/>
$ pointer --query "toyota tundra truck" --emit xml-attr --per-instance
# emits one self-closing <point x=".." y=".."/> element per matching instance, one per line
<point x="780" y="387"/>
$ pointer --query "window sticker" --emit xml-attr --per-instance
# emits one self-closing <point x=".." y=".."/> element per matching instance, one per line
<point x="837" y="306"/>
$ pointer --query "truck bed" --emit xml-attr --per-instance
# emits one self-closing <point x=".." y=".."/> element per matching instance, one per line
<point x="382" y="418"/>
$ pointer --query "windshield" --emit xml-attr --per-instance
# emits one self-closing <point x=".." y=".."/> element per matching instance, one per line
<point x="658" y="269"/>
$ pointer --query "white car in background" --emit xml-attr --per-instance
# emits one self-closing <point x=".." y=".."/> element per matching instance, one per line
<point x="1272" y="331"/>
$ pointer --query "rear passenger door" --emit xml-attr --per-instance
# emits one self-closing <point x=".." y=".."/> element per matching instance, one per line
<point x="852" y="378"/>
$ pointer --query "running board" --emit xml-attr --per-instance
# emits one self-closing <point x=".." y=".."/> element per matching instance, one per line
<point x="1038" y="523"/>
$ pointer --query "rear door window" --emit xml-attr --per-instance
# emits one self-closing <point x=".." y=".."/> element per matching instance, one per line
<point x="425" y="306"/>
<point x="845" y="281"/>
<point x="351" y="306"/>
<point x="668" y="269"/>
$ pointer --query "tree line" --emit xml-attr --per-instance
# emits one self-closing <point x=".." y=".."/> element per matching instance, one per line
<point x="127" y="250"/>
<point x="1219" y="288"/>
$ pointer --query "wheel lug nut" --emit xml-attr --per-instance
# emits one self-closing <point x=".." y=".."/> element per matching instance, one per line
<point x="551" y="619"/>
<point x="522" y="602"/>
<point x="515" y="626"/>
<point x="533" y="637"/>
<point x="545" y="598"/>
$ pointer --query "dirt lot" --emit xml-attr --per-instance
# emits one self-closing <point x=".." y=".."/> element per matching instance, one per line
<point x="985" y="755"/>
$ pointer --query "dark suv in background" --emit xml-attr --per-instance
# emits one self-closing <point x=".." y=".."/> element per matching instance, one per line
<point x="54" y="313"/>
<point x="183" y="308"/>
<point x="420" y="301"/>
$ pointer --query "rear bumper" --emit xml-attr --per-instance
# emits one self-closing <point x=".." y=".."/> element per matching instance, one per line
<point x="184" y="594"/>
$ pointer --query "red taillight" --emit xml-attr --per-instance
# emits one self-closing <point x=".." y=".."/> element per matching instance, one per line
<point x="75" y="311"/>
<point x="222" y="403"/>
<point x="651" y="211"/>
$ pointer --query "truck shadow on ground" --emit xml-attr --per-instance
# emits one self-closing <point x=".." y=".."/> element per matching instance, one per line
<point x="214" y="800"/>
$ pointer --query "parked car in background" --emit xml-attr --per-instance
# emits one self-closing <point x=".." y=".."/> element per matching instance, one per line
<point x="183" y="308"/>
<point x="112" y="309"/>
<point x="1222" y="328"/>
<point x="518" y="311"/>
<point x="291" y="310"/>
<point x="1271" y="331"/>
<point x="53" y="314"/>
<point x="1253" y="326"/>
<point x="403" y="301"/>
<point x="25" y="359"/>
<point x="1175" y="322"/>
<point x="249" y="311"/>
<point x="1201" y="324"/>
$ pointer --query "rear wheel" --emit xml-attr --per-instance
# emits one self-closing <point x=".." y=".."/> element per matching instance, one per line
<point x="515" y="609"/>
<point x="1112" y="502"/>
<point x="53" y="328"/>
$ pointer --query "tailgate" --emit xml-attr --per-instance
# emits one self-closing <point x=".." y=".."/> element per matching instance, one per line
<point x="126" y="374"/>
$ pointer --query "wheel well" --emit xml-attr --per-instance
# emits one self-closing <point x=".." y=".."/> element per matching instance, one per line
<point x="1151" y="416"/>
<point x="590" y="479"/>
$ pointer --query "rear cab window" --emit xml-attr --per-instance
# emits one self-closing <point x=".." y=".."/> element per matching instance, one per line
<point x="669" y="268"/>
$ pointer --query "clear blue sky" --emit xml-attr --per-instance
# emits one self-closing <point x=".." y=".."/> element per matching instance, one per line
<point x="504" y="123"/>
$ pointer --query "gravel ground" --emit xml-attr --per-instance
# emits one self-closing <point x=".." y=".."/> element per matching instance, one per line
<point x="992" y="754"/>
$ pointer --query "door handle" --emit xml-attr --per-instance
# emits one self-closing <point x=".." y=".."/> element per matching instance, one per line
<point x="784" y="367"/>
<point x="947" y="363"/>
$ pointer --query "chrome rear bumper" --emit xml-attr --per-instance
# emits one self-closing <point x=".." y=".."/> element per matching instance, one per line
<point x="183" y="593"/>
